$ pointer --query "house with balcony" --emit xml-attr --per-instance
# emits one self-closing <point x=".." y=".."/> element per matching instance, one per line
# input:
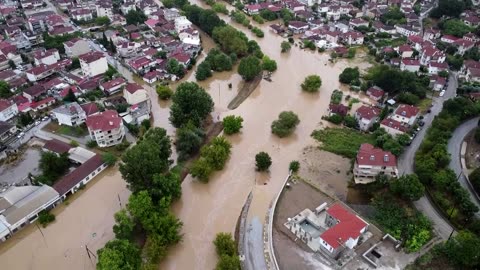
<point x="71" y="114"/>
<point x="82" y="14"/>
<point x="106" y="128"/>
<point x="39" y="72"/>
<point x="104" y="9"/>
<point x="406" y="114"/>
<point x="372" y="161"/>
<point x="8" y="109"/>
<point x="93" y="63"/>
<point x="394" y="127"/>
<point x="366" y="116"/>
<point x="470" y="71"/>
<point x="429" y="53"/>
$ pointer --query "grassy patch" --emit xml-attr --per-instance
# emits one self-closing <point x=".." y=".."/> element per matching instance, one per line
<point x="342" y="141"/>
<point x="78" y="131"/>
<point x="425" y="104"/>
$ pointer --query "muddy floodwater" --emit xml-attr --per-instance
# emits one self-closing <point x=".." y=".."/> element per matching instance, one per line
<point x="86" y="221"/>
<point x="207" y="209"/>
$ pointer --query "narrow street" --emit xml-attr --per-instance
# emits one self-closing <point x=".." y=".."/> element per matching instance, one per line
<point x="406" y="161"/>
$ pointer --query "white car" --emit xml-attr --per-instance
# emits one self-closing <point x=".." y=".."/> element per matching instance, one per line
<point x="442" y="93"/>
<point x="20" y="135"/>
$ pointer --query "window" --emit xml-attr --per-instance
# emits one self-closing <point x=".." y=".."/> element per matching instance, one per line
<point x="88" y="177"/>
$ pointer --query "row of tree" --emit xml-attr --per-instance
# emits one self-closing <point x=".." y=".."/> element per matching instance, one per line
<point x="146" y="169"/>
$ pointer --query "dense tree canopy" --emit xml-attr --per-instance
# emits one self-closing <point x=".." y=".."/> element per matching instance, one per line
<point x="190" y="103"/>
<point x="311" y="83"/>
<point x="206" y="19"/>
<point x="249" y="68"/>
<point x="452" y="8"/>
<point x="232" y="124"/>
<point x="5" y="90"/>
<point x="124" y="225"/>
<point x="148" y="157"/>
<point x="393" y="16"/>
<point x="231" y="40"/>
<point x="455" y="27"/>
<point x="262" y="161"/>
<point x="408" y="187"/>
<point x="135" y="17"/>
<point x="119" y="255"/>
<point x="349" y="74"/>
<point x="285" y="124"/>
<point x="53" y="166"/>
<point x="227" y="251"/>
<point x="463" y="250"/>
<point x="189" y="141"/>
<point x="204" y="71"/>
<point x="212" y="157"/>
<point x="175" y="68"/>
<point x="164" y="92"/>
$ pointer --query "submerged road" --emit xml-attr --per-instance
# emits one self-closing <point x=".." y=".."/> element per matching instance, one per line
<point x="406" y="161"/>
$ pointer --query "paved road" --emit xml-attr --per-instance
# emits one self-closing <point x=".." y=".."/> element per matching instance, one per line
<point x="454" y="148"/>
<point x="406" y="161"/>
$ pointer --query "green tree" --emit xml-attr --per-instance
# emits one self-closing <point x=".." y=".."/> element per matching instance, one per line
<point x="119" y="254"/>
<point x="148" y="157"/>
<point x="164" y="92"/>
<point x="225" y="245"/>
<point x="189" y="141"/>
<point x="349" y="74"/>
<point x="311" y="83"/>
<point x="135" y="17"/>
<point x="175" y="68"/>
<point x="217" y="152"/>
<point x="70" y="97"/>
<point x="455" y="27"/>
<point x="190" y="103"/>
<point x="249" y="68"/>
<point x="218" y="60"/>
<point x="220" y="8"/>
<point x="463" y="250"/>
<point x="5" y="90"/>
<point x="75" y="63"/>
<point x="102" y="20"/>
<point x="204" y="71"/>
<point x="230" y="40"/>
<point x="294" y="166"/>
<point x="262" y="161"/>
<point x="124" y="225"/>
<point x="285" y="124"/>
<point x="166" y="185"/>
<point x="350" y="121"/>
<point x="452" y="8"/>
<point x="109" y="158"/>
<point x="232" y="124"/>
<point x="408" y="187"/>
<point x="268" y="64"/>
<point x="53" y="166"/>
<point x="201" y="169"/>
<point x="285" y="46"/>
<point x="228" y="263"/>
<point x="12" y="64"/>
<point x="474" y="178"/>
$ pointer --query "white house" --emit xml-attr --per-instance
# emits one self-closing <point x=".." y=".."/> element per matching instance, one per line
<point x="93" y="63"/>
<point x="412" y="65"/>
<point x="39" y="72"/>
<point x="104" y="9"/>
<point x="394" y="127"/>
<point x="430" y="53"/>
<point x="106" y="128"/>
<point x="406" y="30"/>
<point x="134" y="93"/>
<point x="47" y="57"/>
<point x="189" y="36"/>
<point x="344" y="230"/>
<point x="367" y="116"/>
<point x="8" y="110"/>
<point x="182" y="23"/>
<point x="406" y="114"/>
<point x="76" y="47"/>
<point x="435" y="67"/>
<point x="70" y="114"/>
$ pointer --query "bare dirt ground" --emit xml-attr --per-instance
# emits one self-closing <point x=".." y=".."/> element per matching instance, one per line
<point x="472" y="156"/>
<point x="327" y="171"/>
<point x="293" y="254"/>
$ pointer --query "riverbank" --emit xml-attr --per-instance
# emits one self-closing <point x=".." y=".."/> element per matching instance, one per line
<point x="244" y="92"/>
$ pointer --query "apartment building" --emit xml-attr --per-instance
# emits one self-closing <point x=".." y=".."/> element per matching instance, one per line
<point x="106" y="128"/>
<point x="371" y="161"/>
<point x="93" y="63"/>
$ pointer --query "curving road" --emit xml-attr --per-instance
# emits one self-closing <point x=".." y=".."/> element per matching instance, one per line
<point x="454" y="148"/>
<point x="406" y="161"/>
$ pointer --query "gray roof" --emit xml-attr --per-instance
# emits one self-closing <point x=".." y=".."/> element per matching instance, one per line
<point x="5" y="127"/>
<point x="19" y="202"/>
<point x="69" y="109"/>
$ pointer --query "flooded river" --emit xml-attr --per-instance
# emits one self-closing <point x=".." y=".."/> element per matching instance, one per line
<point x="207" y="209"/>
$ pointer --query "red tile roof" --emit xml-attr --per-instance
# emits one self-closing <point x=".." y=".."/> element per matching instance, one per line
<point x="368" y="155"/>
<point x="47" y="100"/>
<point x="391" y="123"/>
<point x="368" y="112"/>
<point x="133" y="87"/>
<point x="113" y="83"/>
<point x="91" y="56"/>
<point x="4" y="104"/>
<point x="407" y="111"/>
<point x="338" y="109"/>
<point x="410" y="62"/>
<point x="57" y="146"/>
<point x="90" y="108"/>
<point x="349" y="226"/>
<point x="375" y="91"/>
<point x="104" y="121"/>
<point x="72" y="179"/>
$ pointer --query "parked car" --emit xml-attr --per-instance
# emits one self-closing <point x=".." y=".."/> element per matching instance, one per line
<point x="45" y="118"/>
<point x="20" y="135"/>
<point x="37" y="122"/>
<point x="442" y="93"/>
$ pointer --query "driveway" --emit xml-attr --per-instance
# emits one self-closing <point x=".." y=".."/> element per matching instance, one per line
<point x="454" y="148"/>
<point x="406" y="161"/>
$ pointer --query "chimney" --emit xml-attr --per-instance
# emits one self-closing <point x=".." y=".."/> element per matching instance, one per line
<point x="110" y="123"/>
<point x="385" y="158"/>
<point x="372" y="157"/>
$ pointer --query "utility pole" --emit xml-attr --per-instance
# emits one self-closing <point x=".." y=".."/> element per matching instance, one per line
<point x="43" y="236"/>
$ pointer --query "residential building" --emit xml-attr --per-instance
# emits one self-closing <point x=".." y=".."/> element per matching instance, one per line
<point x="8" y="109"/>
<point x="463" y="45"/>
<point x="46" y="57"/>
<point x="7" y="130"/>
<point x="394" y="127"/>
<point x="113" y="86"/>
<point x="435" y="67"/>
<point x="134" y="93"/>
<point x="352" y="38"/>
<point x="430" y="53"/>
<point x="82" y="14"/>
<point x="470" y="71"/>
<point x="339" y="109"/>
<point x="182" y="23"/>
<point x="375" y="93"/>
<point x="367" y="116"/>
<point x="72" y="182"/>
<point x="371" y="161"/>
<point x="298" y="26"/>
<point x="106" y="128"/>
<point x="104" y="9"/>
<point x="93" y="63"/>
<point x="39" y="72"/>
<point x="412" y="65"/>
<point x="344" y="230"/>
<point x="42" y="104"/>
<point x="406" y="114"/>
<point x="407" y="31"/>
<point x="76" y="47"/>
<point x="20" y="206"/>
<point x="56" y="146"/>
<point x="70" y="114"/>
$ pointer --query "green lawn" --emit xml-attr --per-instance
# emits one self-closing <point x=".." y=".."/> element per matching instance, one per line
<point x="78" y="131"/>
<point x="342" y="141"/>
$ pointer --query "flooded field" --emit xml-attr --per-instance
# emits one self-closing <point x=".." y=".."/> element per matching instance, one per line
<point x="86" y="221"/>
<point x="18" y="170"/>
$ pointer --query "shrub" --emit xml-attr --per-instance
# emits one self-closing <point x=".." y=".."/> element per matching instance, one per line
<point x="232" y="124"/>
<point x="74" y="143"/>
<point x="109" y="159"/>
<point x="45" y="218"/>
<point x="91" y="144"/>
<point x="164" y="92"/>
<point x="285" y="124"/>
<point x="262" y="161"/>
<point x="311" y="83"/>
<point x="285" y="46"/>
